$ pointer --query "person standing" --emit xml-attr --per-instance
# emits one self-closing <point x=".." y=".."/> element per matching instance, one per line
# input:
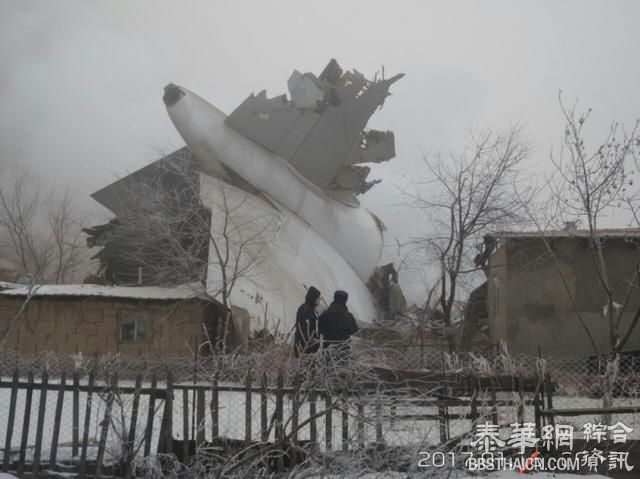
<point x="336" y="325"/>
<point x="306" y="334"/>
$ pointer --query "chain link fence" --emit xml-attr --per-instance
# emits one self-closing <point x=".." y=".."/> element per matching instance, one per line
<point x="362" y="409"/>
<point x="571" y="375"/>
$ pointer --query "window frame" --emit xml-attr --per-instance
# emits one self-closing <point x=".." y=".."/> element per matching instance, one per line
<point x="139" y="321"/>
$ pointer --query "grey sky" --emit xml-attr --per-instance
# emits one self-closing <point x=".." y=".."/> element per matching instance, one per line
<point x="81" y="81"/>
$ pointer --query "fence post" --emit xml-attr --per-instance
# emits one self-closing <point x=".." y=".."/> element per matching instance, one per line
<point x="247" y="410"/>
<point x="151" y="411"/>
<point x="521" y="396"/>
<point x="536" y="409"/>
<point x="194" y="421"/>
<point x="104" y="431"/>
<point x="361" y="431"/>
<point x="11" y="420"/>
<point x="328" y="420"/>
<point x="86" y="426"/>
<point x="131" y="436"/>
<point x="474" y="404"/>
<point x="295" y="419"/>
<point x="442" y="421"/>
<point x="215" y="418"/>
<point x="264" y="426"/>
<point x="25" y="425"/>
<point x="494" y="405"/>
<point x="75" y="441"/>
<point x="199" y="419"/>
<point x="168" y="431"/>
<point x="42" y="405"/>
<point x="379" y="422"/>
<point x="280" y="418"/>
<point x="313" y="432"/>
<point x="548" y="390"/>
<point x="185" y="424"/>
<point x="55" y="436"/>
<point x="345" y="426"/>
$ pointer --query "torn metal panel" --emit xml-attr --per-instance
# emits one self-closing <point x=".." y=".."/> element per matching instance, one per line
<point x="337" y="131"/>
<point x="351" y="179"/>
<point x="320" y="129"/>
<point x="304" y="90"/>
<point x="269" y="121"/>
<point x="374" y="147"/>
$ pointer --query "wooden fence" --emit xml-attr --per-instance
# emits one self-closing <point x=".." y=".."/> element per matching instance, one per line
<point x="476" y="396"/>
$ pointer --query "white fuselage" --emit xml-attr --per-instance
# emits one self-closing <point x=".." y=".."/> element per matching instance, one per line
<point x="352" y="232"/>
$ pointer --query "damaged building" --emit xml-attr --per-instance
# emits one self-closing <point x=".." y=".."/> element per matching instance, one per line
<point x="542" y="290"/>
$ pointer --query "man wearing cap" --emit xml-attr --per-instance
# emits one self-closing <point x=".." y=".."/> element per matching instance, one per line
<point x="336" y="325"/>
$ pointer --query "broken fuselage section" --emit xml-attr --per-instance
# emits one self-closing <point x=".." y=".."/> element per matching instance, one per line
<point x="285" y="173"/>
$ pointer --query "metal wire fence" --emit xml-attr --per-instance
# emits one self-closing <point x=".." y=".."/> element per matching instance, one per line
<point x="577" y="376"/>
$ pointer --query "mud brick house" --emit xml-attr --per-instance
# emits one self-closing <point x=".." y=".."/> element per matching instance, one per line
<point x="96" y="319"/>
<point x="530" y="288"/>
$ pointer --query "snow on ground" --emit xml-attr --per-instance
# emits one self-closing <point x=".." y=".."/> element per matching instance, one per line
<point x="232" y="422"/>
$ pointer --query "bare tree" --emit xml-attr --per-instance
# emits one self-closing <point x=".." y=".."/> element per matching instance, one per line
<point x="588" y="186"/>
<point x="68" y="251"/>
<point x="40" y="235"/>
<point x="20" y="204"/>
<point x="468" y="195"/>
<point x="40" y="232"/>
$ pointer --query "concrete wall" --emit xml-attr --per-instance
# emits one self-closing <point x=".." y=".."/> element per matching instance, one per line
<point x="534" y="295"/>
<point x="496" y="289"/>
<point x="92" y="326"/>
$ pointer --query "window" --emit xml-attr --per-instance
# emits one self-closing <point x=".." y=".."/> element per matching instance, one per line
<point x="132" y="328"/>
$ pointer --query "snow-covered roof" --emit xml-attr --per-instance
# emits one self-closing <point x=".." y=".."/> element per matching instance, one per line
<point x="7" y="285"/>
<point x="185" y="291"/>
<point x="631" y="233"/>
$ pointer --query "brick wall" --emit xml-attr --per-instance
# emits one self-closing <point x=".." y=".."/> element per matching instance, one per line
<point x="92" y="325"/>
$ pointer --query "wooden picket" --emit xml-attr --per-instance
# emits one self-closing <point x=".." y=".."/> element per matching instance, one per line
<point x="10" y="421"/>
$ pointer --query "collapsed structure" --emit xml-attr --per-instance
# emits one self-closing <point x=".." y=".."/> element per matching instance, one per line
<point x="260" y="204"/>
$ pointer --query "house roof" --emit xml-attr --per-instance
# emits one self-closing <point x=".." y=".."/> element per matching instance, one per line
<point x="603" y="233"/>
<point x="159" y="293"/>
<point x="7" y="285"/>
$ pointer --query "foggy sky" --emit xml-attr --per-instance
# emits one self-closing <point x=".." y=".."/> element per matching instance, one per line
<point x="81" y="81"/>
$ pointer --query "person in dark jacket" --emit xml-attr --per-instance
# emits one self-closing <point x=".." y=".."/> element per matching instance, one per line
<point x="306" y="335"/>
<point x="336" y="324"/>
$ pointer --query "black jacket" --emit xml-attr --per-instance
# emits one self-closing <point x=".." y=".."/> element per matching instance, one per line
<point x="336" y="323"/>
<point x="306" y="337"/>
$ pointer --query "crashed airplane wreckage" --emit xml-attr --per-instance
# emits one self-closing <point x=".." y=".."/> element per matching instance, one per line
<point x="287" y="171"/>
